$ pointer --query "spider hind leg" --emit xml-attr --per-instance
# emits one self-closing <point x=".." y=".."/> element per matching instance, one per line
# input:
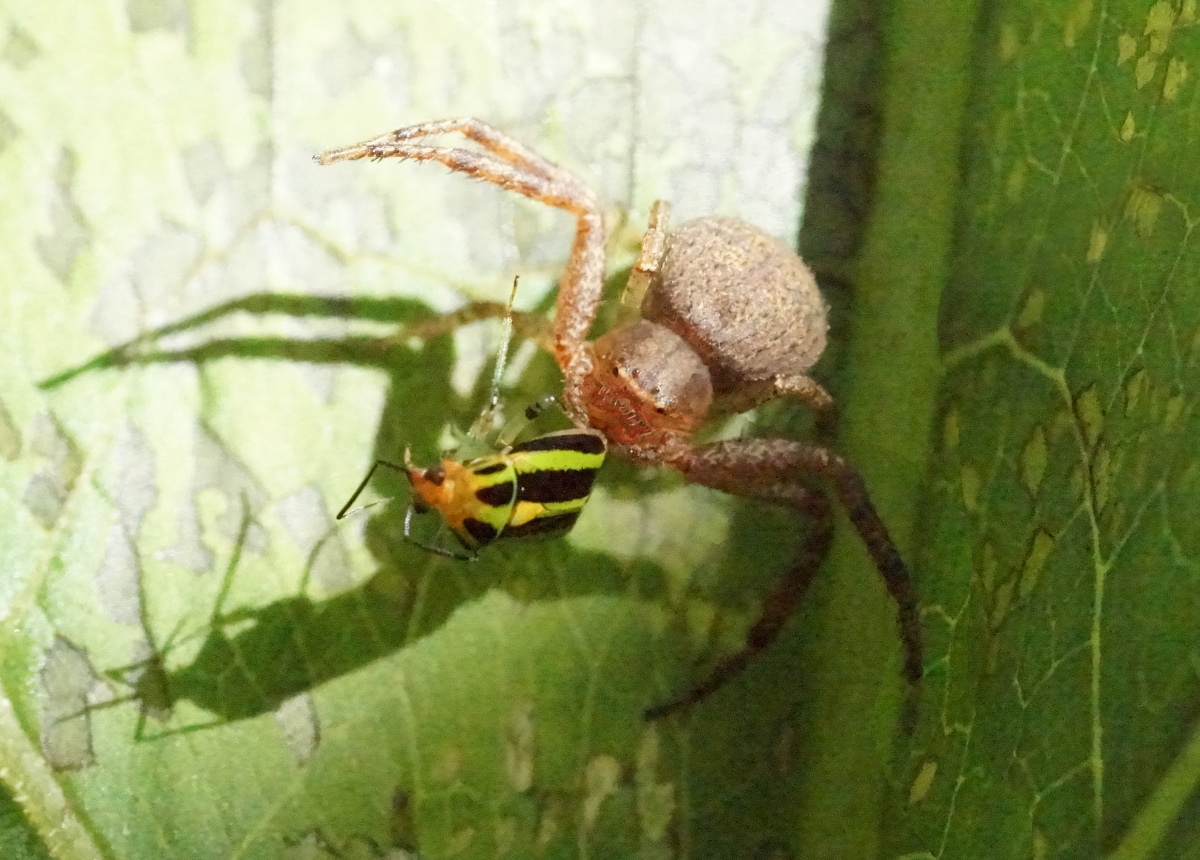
<point x="771" y="470"/>
<point x="780" y="604"/>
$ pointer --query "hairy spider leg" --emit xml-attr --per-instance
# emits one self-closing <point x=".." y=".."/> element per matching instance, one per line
<point x="654" y="248"/>
<point x="490" y="138"/>
<point x="767" y="469"/>
<point x="777" y="609"/>
<point x="804" y="388"/>
<point x="509" y="164"/>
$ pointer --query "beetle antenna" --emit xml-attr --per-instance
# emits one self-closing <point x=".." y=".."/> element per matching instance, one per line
<point x="346" y="509"/>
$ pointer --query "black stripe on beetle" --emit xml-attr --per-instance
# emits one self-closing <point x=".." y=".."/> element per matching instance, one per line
<point x="544" y="525"/>
<point x="489" y="469"/>
<point x="497" y="495"/>
<point x="555" y="485"/>
<point x="583" y="443"/>
<point x="480" y="531"/>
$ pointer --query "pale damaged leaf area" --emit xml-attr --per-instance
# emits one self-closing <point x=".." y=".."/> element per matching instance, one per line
<point x="197" y="660"/>
<point x="1061" y="546"/>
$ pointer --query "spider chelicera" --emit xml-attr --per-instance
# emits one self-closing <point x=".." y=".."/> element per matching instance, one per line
<point x="730" y="317"/>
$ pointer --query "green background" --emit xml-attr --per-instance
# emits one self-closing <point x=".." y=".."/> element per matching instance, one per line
<point x="999" y="205"/>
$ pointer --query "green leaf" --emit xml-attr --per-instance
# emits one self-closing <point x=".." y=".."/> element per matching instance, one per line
<point x="1057" y="541"/>
<point x="17" y="838"/>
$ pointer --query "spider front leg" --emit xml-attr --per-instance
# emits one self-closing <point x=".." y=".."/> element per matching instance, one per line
<point x="492" y="139"/>
<point x="755" y="393"/>
<point x="770" y="470"/>
<point x="510" y="165"/>
<point x="654" y="248"/>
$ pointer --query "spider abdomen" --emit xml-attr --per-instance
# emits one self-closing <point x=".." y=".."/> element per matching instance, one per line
<point x="747" y="304"/>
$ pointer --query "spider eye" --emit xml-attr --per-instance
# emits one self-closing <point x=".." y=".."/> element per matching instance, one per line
<point x="616" y="372"/>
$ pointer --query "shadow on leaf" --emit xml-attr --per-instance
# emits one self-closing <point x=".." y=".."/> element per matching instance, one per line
<point x="253" y="659"/>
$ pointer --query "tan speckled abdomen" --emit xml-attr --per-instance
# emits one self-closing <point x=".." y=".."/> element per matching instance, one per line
<point x="745" y="301"/>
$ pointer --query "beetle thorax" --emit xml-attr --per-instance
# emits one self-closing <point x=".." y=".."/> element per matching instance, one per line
<point x="648" y="390"/>
<point x="445" y="488"/>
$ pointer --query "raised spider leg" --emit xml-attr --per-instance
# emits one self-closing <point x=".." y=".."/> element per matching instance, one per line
<point x="489" y="137"/>
<point x="778" y="608"/>
<point x="654" y="248"/>
<point x="769" y="469"/>
<point x="583" y="277"/>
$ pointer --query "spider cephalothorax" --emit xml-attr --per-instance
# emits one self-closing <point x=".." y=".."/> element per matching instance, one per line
<point x="729" y="316"/>
<point x="728" y="312"/>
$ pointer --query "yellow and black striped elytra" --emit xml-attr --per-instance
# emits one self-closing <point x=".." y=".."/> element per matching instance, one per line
<point x="538" y="487"/>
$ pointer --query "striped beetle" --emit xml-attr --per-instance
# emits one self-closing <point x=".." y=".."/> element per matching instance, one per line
<point x="537" y="487"/>
<point x="534" y="488"/>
